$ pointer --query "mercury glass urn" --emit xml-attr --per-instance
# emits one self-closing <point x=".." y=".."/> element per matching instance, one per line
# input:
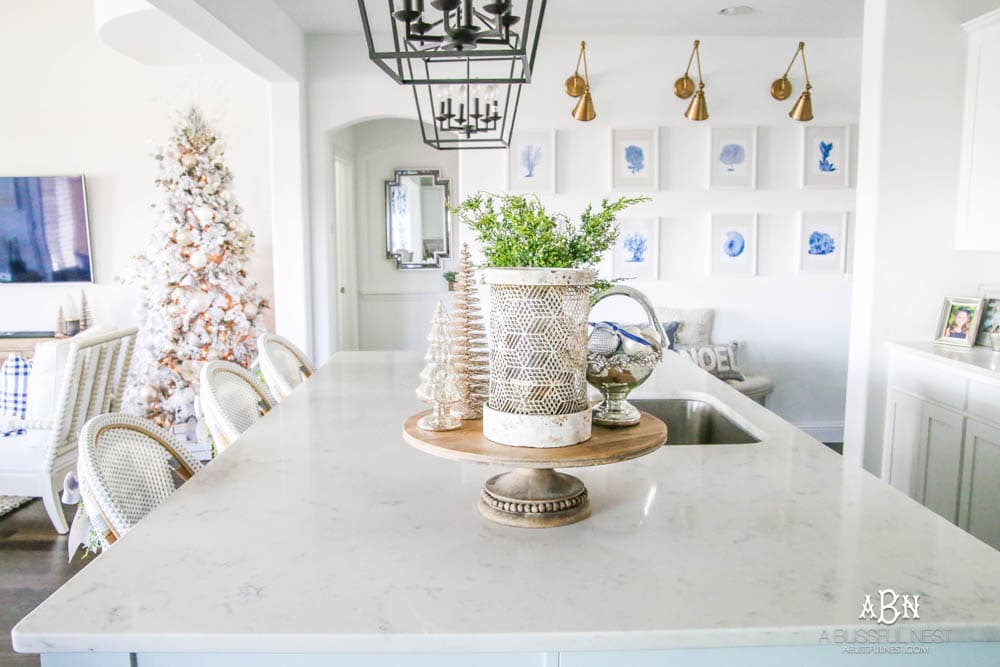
<point x="621" y="357"/>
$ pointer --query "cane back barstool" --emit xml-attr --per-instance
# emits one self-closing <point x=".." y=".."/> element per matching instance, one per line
<point x="125" y="471"/>
<point x="232" y="401"/>
<point x="283" y="365"/>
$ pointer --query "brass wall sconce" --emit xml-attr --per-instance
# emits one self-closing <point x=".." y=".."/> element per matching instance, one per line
<point x="781" y="89"/>
<point x="579" y="86"/>
<point x="684" y="87"/>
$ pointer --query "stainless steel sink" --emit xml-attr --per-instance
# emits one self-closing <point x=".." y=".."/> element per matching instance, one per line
<point x="694" y="422"/>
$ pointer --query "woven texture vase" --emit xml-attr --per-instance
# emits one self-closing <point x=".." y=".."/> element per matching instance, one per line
<point x="538" y="357"/>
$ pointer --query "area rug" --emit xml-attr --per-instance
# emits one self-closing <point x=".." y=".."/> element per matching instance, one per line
<point x="10" y="503"/>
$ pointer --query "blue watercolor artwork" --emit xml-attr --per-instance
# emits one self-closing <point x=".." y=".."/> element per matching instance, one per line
<point x="635" y="159"/>
<point x="821" y="243"/>
<point x="636" y="244"/>
<point x="734" y="244"/>
<point x="825" y="165"/>
<point x="531" y="159"/>
<point x="732" y="155"/>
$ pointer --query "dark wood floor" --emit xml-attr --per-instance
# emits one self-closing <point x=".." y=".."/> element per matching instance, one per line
<point x="32" y="565"/>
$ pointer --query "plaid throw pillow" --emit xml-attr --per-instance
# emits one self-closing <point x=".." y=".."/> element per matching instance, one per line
<point x="14" y="388"/>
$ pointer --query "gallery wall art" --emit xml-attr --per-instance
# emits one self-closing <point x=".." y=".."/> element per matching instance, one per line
<point x="732" y="160"/>
<point x="532" y="162"/>
<point x="636" y="253"/>
<point x="635" y="160"/>
<point x="822" y="246"/>
<point x="826" y="153"/>
<point x="733" y="248"/>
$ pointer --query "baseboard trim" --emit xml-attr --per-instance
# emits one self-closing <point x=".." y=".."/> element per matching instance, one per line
<point x="824" y="431"/>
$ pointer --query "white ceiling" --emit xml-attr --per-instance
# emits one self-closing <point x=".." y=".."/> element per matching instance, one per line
<point x="796" y="18"/>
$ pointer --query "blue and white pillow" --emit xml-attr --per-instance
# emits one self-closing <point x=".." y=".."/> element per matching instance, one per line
<point x="670" y="333"/>
<point x="14" y="376"/>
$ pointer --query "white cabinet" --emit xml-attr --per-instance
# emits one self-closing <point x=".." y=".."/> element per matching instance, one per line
<point x="942" y="434"/>
<point x="979" y="509"/>
<point x="979" y="171"/>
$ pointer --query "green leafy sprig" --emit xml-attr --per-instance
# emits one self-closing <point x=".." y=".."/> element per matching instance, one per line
<point x="517" y="231"/>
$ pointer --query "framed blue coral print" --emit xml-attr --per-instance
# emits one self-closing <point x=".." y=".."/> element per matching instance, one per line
<point x="636" y="252"/>
<point x="635" y="159"/>
<point x="532" y="162"/>
<point x="822" y="242"/>
<point x="732" y="159"/>
<point x="826" y="157"/>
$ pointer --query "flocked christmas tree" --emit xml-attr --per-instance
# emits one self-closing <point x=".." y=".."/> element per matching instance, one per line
<point x="468" y="340"/>
<point x="198" y="302"/>
<point x="439" y="385"/>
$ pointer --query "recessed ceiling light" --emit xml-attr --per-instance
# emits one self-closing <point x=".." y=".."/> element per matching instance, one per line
<point x="737" y="10"/>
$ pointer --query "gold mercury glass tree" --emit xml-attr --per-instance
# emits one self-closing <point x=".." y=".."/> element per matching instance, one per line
<point x="440" y="385"/>
<point x="468" y="339"/>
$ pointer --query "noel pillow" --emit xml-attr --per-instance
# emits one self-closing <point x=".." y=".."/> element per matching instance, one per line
<point x="719" y="360"/>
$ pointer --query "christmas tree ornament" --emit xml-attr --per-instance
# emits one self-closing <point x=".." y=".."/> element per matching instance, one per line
<point x="439" y="385"/>
<point x="181" y="328"/>
<point x="469" y="347"/>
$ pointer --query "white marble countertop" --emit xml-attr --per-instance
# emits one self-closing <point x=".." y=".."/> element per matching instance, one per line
<point x="980" y="360"/>
<point x="320" y="530"/>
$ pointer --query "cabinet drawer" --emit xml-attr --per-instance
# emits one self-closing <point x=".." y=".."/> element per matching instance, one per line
<point x="984" y="401"/>
<point x="930" y="382"/>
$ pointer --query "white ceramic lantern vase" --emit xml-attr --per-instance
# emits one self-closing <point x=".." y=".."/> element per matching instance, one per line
<point x="538" y="357"/>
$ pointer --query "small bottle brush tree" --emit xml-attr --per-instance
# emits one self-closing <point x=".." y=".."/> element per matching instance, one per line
<point x="198" y="302"/>
<point x="470" y="350"/>
<point x="439" y="385"/>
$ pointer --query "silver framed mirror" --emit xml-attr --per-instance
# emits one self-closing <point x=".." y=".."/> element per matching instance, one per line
<point x="417" y="229"/>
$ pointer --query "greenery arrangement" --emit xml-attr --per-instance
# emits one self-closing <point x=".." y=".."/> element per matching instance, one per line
<point x="450" y="276"/>
<point x="517" y="231"/>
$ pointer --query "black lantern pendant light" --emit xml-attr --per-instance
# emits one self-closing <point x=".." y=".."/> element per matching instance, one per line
<point x="430" y="41"/>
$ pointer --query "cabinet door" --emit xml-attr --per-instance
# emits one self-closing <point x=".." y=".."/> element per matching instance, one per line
<point x="979" y="509"/>
<point x="940" y="460"/>
<point x="903" y="416"/>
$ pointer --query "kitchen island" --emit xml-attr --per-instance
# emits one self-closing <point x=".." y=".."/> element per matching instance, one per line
<point x="320" y="532"/>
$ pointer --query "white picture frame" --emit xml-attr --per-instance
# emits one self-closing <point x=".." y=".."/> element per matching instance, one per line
<point x="972" y="310"/>
<point x="531" y="162"/>
<point x="733" y="246"/>
<point x="636" y="252"/>
<point x="732" y="158"/>
<point x="826" y="157"/>
<point x="635" y="159"/>
<point x="823" y="242"/>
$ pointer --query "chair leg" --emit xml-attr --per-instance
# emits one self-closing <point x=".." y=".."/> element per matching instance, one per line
<point x="53" y="505"/>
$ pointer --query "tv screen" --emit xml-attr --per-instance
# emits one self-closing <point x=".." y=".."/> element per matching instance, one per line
<point x="43" y="230"/>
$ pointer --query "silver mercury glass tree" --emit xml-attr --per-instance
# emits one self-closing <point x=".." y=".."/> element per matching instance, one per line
<point x="440" y="385"/>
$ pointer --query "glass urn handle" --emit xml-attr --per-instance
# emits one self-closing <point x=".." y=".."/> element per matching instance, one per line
<point x="638" y="297"/>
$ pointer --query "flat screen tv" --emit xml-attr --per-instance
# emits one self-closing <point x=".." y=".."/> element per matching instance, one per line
<point x="44" y="234"/>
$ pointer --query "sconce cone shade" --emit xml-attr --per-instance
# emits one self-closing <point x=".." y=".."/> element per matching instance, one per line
<point x="584" y="109"/>
<point x="803" y="109"/>
<point x="698" y="109"/>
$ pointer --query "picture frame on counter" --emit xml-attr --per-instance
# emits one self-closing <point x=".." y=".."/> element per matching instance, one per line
<point x="732" y="163"/>
<point x="733" y="247"/>
<point x="635" y="159"/>
<point x="531" y="162"/>
<point x="990" y="294"/>
<point x="959" y="321"/>
<point x="826" y="157"/>
<point x="636" y="252"/>
<point x="822" y="245"/>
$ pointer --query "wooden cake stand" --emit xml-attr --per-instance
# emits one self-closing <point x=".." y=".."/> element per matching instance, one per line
<point x="534" y="495"/>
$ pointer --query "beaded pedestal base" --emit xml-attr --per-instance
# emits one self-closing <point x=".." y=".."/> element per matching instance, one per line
<point x="533" y="494"/>
<point x="534" y="498"/>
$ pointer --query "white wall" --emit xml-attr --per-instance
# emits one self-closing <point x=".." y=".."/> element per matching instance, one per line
<point x="73" y="105"/>
<point x="394" y="306"/>
<point x="907" y="193"/>
<point x="794" y="327"/>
